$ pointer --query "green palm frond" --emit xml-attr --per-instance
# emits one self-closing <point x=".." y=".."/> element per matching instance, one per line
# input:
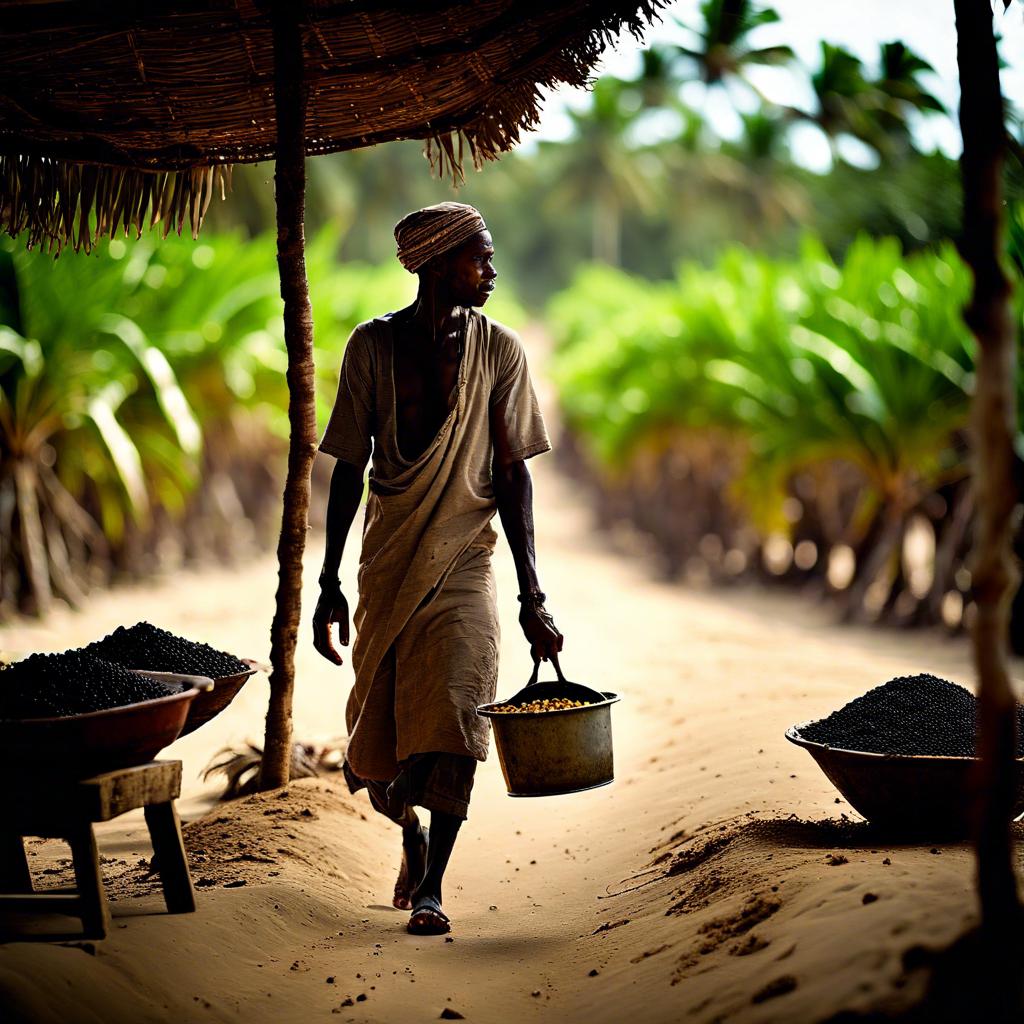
<point x="723" y="49"/>
<point x="164" y="382"/>
<point x="101" y="409"/>
<point x="807" y="362"/>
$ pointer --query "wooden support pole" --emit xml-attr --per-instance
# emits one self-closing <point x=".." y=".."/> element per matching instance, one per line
<point x="994" y="573"/>
<point x="290" y="187"/>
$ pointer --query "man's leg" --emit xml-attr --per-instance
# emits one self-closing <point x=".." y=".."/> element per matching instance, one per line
<point x="387" y="801"/>
<point x="444" y="789"/>
<point x="444" y="830"/>
<point x="414" y="844"/>
<point x="414" y="858"/>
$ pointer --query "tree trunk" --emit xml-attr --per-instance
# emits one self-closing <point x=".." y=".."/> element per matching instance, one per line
<point x="961" y="509"/>
<point x="607" y="230"/>
<point x="871" y="561"/>
<point x="33" y="547"/>
<point x="290" y="183"/>
<point x="993" y="570"/>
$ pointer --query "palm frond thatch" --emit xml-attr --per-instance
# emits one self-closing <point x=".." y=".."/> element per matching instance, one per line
<point x="117" y="113"/>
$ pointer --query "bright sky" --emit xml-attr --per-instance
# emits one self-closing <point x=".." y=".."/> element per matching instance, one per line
<point x="926" y="26"/>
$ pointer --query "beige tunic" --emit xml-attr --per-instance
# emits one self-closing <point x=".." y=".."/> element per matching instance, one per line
<point x="426" y="647"/>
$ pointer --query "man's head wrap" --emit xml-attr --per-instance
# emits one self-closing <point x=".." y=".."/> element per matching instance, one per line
<point x="435" y="230"/>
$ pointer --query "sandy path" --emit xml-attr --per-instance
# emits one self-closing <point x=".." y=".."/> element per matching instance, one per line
<point x="770" y="921"/>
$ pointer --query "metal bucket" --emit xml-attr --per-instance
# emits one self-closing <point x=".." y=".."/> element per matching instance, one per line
<point x="548" y="753"/>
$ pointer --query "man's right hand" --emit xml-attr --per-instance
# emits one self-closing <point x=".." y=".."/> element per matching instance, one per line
<point x="332" y="607"/>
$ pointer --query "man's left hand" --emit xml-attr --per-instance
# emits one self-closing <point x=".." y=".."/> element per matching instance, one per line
<point x="540" y="629"/>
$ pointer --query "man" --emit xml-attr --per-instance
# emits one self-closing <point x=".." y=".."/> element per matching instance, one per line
<point x="442" y="397"/>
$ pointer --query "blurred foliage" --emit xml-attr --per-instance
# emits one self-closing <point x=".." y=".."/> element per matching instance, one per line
<point x="642" y="207"/>
<point x="757" y="379"/>
<point x="91" y="414"/>
<point x="868" y="360"/>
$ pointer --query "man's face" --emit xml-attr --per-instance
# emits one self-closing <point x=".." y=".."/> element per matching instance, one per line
<point x="470" y="273"/>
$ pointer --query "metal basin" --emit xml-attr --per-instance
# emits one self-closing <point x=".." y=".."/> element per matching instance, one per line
<point x="912" y="794"/>
<point x="549" y="753"/>
<point x="210" y="703"/>
<point x="97" y="741"/>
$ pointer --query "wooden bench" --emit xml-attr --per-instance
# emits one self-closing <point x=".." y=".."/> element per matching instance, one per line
<point x="67" y="809"/>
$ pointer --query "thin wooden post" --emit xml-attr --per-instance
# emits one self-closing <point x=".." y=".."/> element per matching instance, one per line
<point x="994" y="573"/>
<point x="290" y="187"/>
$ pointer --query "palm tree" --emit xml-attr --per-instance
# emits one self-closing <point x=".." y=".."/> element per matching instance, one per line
<point x="874" y="110"/>
<point x="601" y="171"/>
<point x="764" y="137"/>
<point x="723" y="50"/>
<point x="899" y="94"/>
<point x="657" y="87"/>
<point x="756" y="171"/>
<point x="844" y="98"/>
<point x="659" y="80"/>
<point x="93" y="423"/>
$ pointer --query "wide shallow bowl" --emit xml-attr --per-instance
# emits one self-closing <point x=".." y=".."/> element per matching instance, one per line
<point x="96" y="741"/>
<point x="548" y="753"/>
<point x="210" y="703"/>
<point x="913" y="794"/>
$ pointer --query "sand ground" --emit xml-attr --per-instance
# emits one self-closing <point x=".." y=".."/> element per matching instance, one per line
<point x="762" y="900"/>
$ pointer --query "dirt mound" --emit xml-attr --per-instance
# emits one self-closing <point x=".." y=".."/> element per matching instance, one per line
<point x="259" y="837"/>
<point x="250" y="841"/>
<point x="771" y="903"/>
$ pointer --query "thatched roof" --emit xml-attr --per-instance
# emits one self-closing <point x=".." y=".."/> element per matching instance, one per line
<point x="126" y="111"/>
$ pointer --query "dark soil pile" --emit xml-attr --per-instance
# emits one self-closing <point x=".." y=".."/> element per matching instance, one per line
<point x="53" y="685"/>
<point x="147" y="646"/>
<point x="907" y="715"/>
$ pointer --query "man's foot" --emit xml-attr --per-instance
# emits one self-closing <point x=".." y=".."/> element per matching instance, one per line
<point x="414" y="864"/>
<point x="428" y="918"/>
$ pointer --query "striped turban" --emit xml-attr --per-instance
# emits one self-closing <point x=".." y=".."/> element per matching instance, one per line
<point x="435" y="230"/>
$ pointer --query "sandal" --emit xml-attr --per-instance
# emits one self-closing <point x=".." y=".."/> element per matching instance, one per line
<point x="428" y="918"/>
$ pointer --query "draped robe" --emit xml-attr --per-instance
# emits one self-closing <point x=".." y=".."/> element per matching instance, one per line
<point x="426" y="647"/>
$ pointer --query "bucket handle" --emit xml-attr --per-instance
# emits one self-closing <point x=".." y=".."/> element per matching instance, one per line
<point x="536" y="670"/>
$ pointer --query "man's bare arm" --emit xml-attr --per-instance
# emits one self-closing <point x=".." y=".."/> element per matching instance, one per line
<point x="342" y="504"/>
<point x="513" y="490"/>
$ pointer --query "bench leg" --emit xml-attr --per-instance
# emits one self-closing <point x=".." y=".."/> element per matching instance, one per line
<point x="165" y="833"/>
<point x="15" y="876"/>
<point x="92" y="899"/>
